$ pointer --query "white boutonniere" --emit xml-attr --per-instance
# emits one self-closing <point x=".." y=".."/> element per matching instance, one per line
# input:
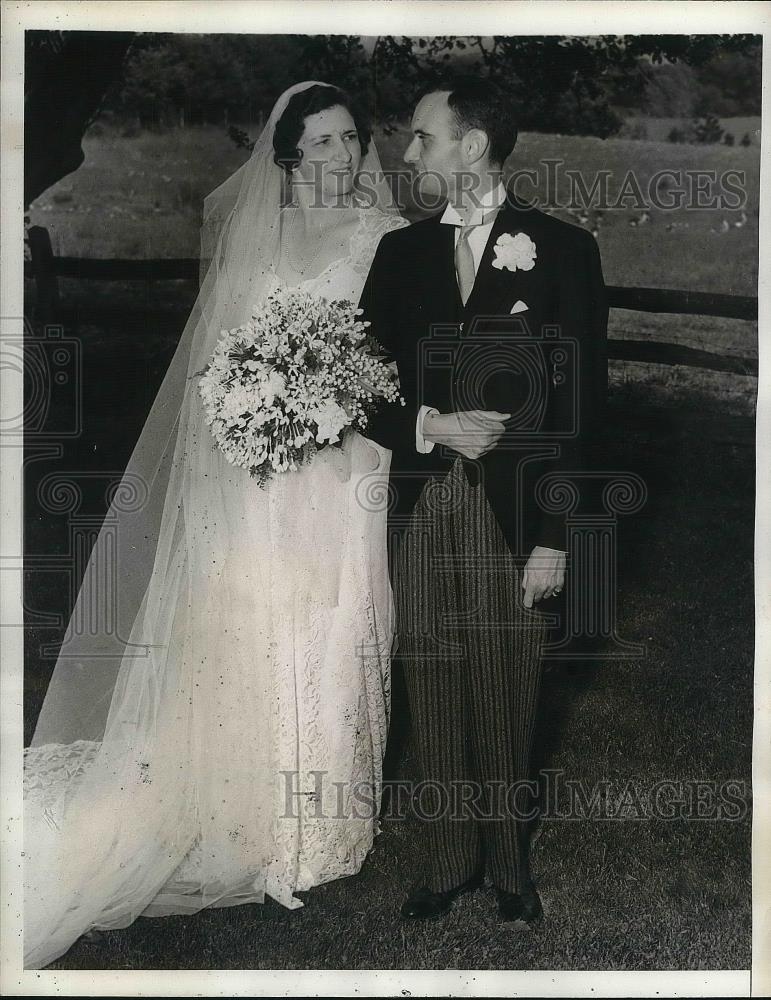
<point x="514" y="251"/>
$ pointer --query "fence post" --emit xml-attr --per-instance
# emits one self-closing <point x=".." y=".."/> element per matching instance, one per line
<point x="46" y="283"/>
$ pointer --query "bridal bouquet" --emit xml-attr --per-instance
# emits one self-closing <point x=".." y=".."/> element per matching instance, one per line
<point x="294" y="378"/>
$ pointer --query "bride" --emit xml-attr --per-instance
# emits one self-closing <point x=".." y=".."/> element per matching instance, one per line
<point x="215" y="725"/>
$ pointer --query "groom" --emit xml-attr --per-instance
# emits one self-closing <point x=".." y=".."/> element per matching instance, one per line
<point x="496" y="316"/>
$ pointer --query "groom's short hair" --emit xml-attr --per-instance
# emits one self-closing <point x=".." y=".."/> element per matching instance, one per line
<point x="477" y="102"/>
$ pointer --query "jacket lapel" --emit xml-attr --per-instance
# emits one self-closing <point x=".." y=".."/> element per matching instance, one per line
<point x="443" y="269"/>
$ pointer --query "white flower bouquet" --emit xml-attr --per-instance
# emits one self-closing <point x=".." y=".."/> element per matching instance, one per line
<point x="293" y="379"/>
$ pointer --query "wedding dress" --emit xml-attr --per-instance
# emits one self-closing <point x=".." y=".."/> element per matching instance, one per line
<point x="239" y="751"/>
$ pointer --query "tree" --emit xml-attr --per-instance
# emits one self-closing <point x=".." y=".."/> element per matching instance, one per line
<point x="564" y="84"/>
<point x="730" y="83"/>
<point x="61" y="99"/>
<point x="708" y="129"/>
<point x="670" y="89"/>
<point x="204" y="78"/>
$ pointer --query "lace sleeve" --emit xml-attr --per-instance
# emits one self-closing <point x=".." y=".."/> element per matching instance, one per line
<point x="374" y="225"/>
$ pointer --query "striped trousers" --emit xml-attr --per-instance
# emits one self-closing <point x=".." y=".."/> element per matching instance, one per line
<point x="471" y="656"/>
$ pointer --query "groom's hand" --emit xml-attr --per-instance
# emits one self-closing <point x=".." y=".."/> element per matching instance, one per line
<point x="472" y="433"/>
<point x="544" y="574"/>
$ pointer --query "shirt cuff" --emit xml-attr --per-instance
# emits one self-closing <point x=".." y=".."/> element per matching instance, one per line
<point x="423" y="446"/>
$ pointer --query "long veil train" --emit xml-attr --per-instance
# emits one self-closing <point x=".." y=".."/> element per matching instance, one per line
<point x="111" y="806"/>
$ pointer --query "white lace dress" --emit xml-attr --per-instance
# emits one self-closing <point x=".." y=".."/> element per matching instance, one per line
<point x="260" y="773"/>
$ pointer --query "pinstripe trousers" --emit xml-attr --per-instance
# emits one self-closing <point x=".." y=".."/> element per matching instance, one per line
<point x="472" y="663"/>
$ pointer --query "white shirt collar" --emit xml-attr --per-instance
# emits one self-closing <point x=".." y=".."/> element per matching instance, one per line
<point x="493" y="199"/>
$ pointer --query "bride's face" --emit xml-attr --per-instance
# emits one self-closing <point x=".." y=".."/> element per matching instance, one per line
<point x="331" y="153"/>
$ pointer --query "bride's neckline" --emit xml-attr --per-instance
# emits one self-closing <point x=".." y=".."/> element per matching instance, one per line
<point x="360" y="210"/>
<point x="313" y="277"/>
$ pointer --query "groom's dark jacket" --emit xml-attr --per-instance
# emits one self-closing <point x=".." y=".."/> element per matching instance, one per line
<point x="545" y="363"/>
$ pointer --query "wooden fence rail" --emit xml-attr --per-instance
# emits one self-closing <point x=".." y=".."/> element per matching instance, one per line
<point x="45" y="268"/>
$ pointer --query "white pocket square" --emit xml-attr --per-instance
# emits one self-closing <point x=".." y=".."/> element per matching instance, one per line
<point x="519" y="306"/>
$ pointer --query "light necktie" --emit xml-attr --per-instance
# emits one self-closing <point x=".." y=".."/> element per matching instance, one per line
<point x="464" y="256"/>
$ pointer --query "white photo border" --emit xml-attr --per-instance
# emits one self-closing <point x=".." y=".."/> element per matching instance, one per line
<point x="366" y="17"/>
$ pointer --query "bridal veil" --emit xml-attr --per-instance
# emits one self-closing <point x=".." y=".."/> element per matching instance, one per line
<point x="146" y="521"/>
<point x="118" y="727"/>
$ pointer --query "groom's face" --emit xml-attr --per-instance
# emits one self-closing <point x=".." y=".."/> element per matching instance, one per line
<point x="435" y="152"/>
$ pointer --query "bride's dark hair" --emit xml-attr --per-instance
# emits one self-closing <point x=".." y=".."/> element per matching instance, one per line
<point x="291" y="124"/>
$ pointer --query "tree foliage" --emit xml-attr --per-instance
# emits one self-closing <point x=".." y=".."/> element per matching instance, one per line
<point x="560" y="83"/>
<point x="60" y="99"/>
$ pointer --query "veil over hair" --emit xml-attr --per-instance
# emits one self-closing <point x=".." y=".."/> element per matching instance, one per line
<point x="121" y="621"/>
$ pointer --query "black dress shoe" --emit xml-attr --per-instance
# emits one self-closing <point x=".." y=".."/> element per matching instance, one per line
<point x="525" y="905"/>
<point x="423" y="904"/>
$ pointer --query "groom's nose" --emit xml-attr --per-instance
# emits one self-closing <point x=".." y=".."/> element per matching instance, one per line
<point x="411" y="152"/>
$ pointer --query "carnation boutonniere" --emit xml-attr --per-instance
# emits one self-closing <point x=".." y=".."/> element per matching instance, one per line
<point x="514" y="251"/>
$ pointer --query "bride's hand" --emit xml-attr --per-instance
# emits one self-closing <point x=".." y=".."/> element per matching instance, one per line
<point x="364" y="457"/>
<point x="340" y="457"/>
<point x="356" y="454"/>
<point x="371" y="457"/>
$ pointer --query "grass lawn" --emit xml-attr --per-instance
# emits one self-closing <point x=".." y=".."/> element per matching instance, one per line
<point x="618" y="894"/>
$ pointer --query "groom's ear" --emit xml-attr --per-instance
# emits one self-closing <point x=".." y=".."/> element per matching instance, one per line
<point x="476" y="143"/>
